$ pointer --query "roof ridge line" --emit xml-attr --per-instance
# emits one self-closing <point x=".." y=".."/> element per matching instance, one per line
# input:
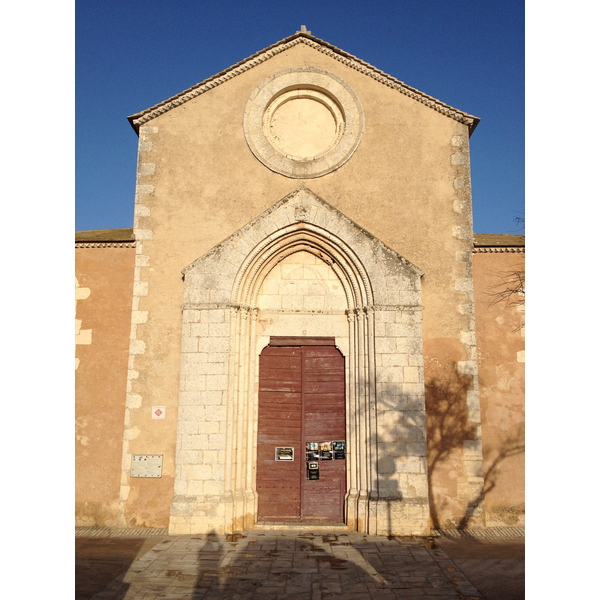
<point x="138" y="119"/>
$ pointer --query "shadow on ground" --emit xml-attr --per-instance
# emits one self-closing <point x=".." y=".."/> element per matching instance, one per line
<point x="99" y="561"/>
<point x="271" y="565"/>
<point x="495" y="567"/>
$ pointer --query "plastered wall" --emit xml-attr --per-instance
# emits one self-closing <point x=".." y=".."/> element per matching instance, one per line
<point x="501" y="357"/>
<point x="104" y="280"/>
<point x="407" y="184"/>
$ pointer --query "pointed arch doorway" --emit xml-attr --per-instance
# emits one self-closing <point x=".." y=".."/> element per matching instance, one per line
<point x="301" y="268"/>
<point x="301" y="466"/>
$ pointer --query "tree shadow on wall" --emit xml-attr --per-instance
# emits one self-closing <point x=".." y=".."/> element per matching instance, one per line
<point x="511" y="445"/>
<point x="448" y="428"/>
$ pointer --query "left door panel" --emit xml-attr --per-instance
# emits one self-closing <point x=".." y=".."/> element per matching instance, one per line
<point x="279" y="425"/>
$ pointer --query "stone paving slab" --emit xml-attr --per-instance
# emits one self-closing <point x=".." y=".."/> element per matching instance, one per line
<point x="277" y="565"/>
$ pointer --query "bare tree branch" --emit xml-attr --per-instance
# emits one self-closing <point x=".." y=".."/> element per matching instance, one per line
<point x="510" y="289"/>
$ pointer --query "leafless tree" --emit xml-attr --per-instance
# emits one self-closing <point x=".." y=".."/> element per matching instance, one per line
<point x="511" y="286"/>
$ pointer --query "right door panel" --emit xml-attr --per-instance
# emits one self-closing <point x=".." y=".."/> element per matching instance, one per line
<point x="324" y="420"/>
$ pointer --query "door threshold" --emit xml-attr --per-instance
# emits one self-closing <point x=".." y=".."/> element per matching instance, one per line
<point x="300" y="526"/>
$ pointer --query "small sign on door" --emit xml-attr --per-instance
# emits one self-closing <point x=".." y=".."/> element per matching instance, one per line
<point x="312" y="471"/>
<point x="325" y="451"/>
<point x="284" y="453"/>
<point x="312" y="451"/>
<point x="339" y="450"/>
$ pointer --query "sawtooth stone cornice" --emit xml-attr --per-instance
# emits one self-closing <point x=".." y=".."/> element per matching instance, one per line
<point x="140" y="118"/>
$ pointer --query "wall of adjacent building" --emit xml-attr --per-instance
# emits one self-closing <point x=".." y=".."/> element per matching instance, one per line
<point x="501" y="358"/>
<point x="103" y="291"/>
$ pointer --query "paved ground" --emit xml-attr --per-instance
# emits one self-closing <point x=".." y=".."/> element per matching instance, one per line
<point x="496" y="567"/>
<point x="298" y="565"/>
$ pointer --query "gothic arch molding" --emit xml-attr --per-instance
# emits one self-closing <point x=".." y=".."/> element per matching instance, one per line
<point x="314" y="240"/>
<point x="378" y="332"/>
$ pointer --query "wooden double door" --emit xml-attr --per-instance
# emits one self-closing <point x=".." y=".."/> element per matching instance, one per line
<point x="301" y="401"/>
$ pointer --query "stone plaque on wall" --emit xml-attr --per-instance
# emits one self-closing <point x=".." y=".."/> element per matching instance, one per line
<point x="146" y="465"/>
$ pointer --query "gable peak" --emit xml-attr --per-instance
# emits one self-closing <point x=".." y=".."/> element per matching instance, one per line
<point x="304" y="36"/>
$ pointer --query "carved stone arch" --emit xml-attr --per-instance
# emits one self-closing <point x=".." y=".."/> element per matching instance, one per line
<point x="225" y="327"/>
<point x="314" y="240"/>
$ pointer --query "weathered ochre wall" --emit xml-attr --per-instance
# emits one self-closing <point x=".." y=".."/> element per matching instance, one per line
<point x="408" y="184"/>
<point x="501" y="357"/>
<point x="103" y="313"/>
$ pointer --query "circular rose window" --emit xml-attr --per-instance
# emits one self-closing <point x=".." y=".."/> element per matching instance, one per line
<point x="303" y="122"/>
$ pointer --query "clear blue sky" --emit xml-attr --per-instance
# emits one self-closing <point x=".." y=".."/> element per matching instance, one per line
<point x="131" y="55"/>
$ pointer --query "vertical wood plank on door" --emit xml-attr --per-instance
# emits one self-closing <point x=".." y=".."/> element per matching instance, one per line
<point x="324" y="408"/>
<point x="279" y="424"/>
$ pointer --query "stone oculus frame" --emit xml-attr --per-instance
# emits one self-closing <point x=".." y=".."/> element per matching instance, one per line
<point x="303" y="122"/>
<point x="379" y="334"/>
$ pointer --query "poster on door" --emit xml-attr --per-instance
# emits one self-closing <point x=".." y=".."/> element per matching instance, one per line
<point x="339" y="450"/>
<point x="325" y="451"/>
<point x="312" y="451"/>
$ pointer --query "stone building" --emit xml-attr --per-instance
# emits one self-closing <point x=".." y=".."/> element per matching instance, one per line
<point x="301" y="324"/>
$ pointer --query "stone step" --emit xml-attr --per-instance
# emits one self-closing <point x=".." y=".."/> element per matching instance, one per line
<point x="300" y="526"/>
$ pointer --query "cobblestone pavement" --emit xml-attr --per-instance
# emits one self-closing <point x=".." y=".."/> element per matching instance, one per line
<point x="274" y="565"/>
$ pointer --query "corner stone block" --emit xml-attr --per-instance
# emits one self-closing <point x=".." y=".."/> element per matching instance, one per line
<point x="464" y="285"/>
<point x="467" y="338"/>
<point x="475" y="417"/>
<point x="461" y="233"/>
<point x="144" y="189"/>
<point x="473" y="400"/>
<point x="467" y="367"/>
<point x="460" y="182"/>
<point x="139" y="316"/>
<point x="474" y="468"/>
<point x="143" y="234"/>
<point x="473" y="449"/>
<point x="133" y="401"/>
<point x="140" y="288"/>
<point x="147" y="168"/>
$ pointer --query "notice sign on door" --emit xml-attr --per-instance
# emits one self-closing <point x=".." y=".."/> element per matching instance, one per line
<point x="284" y="453"/>
<point x="325" y="451"/>
<point x="146" y="465"/>
<point x="312" y="471"/>
<point x="339" y="450"/>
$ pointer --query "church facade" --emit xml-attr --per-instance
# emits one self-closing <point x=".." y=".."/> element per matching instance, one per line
<point x="301" y="326"/>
